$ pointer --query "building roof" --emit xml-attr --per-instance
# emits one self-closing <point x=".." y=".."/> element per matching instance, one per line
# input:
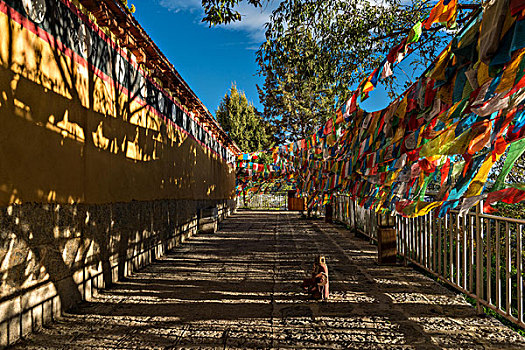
<point x="120" y="21"/>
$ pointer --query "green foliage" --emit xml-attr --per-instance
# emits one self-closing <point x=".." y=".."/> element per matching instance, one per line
<point x="516" y="211"/>
<point x="265" y="158"/>
<point x="516" y="176"/>
<point x="316" y="50"/>
<point x="223" y="11"/>
<point x="243" y="123"/>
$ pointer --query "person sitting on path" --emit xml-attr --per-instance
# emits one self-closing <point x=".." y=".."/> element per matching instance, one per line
<point x="318" y="286"/>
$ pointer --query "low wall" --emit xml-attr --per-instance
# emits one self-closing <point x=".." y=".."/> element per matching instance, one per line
<point x="55" y="256"/>
<point x="102" y="168"/>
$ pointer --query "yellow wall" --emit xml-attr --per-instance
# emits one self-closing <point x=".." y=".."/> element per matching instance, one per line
<point x="67" y="136"/>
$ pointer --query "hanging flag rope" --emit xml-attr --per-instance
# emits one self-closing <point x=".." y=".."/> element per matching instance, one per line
<point x="447" y="130"/>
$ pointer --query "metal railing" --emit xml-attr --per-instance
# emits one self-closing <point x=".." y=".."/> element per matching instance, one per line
<point x="480" y="255"/>
<point x="356" y="217"/>
<point x="263" y="201"/>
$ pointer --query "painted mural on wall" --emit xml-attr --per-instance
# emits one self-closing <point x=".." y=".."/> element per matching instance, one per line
<point x="82" y="122"/>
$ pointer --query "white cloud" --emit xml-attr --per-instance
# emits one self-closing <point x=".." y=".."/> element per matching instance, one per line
<point x="182" y="5"/>
<point x="253" y="19"/>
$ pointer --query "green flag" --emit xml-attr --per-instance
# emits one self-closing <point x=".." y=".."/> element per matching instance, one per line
<point x="415" y="33"/>
<point x="516" y="149"/>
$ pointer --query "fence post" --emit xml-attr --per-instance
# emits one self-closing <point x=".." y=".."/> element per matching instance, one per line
<point x="354" y="220"/>
<point x="479" y="257"/>
<point x="386" y="238"/>
<point x="519" y="268"/>
<point x="405" y="240"/>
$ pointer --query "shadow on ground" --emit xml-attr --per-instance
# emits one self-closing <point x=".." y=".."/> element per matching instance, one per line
<point x="239" y="288"/>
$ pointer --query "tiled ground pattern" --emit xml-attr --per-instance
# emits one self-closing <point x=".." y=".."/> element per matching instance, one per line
<point x="239" y="288"/>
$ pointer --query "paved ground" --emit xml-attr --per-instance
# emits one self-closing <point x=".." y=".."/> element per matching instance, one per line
<point x="239" y="288"/>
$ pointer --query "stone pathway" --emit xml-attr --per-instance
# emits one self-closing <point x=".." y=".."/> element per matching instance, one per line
<point x="239" y="288"/>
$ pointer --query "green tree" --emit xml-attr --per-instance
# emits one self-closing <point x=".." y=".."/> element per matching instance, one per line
<point x="243" y="123"/>
<point x="223" y="11"/>
<point x="316" y="50"/>
<point x="509" y="170"/>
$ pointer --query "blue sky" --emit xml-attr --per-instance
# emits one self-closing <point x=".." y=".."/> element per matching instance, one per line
<point x="211" y="59"/>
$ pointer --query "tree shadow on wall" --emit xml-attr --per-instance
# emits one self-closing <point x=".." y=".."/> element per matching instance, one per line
<point x="65" y="131"/>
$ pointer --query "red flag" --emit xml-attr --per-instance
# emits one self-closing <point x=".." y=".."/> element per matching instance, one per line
<point x="443" y="12"/>
<point x="444" y="171"/>
<point x="328" y="127"/>
<point x="507" y="195"/>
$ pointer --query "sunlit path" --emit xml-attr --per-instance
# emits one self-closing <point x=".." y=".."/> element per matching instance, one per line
<point x="239" y="288"/>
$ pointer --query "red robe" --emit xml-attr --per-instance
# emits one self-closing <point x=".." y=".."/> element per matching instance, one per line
<point x="312" y="284"/>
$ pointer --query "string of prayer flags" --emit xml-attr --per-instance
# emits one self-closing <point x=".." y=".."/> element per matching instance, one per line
<point x="434" y="147"/>
<point x="445" y="11"/>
